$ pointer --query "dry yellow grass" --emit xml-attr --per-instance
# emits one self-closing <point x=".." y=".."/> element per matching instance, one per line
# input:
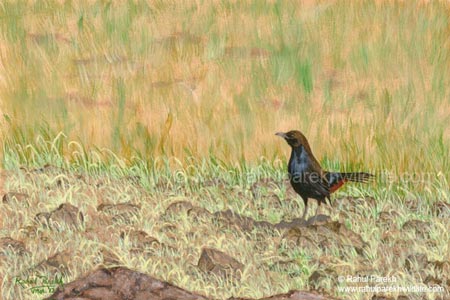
<point x="273" y="262"/>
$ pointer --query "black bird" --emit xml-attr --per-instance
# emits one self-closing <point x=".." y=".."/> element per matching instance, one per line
<point x="306" y="175"/>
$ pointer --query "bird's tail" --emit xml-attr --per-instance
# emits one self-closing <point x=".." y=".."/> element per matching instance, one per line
<point x="358" y="176"/>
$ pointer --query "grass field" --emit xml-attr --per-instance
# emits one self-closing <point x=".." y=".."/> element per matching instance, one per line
<point x="157" y="102"/>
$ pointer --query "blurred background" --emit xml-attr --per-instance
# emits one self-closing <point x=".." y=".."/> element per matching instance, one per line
<point x="366" y="81"/>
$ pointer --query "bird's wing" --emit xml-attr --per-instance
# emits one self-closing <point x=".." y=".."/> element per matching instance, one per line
<point x="322" y="185"/>
<point x="335" y="180"/>
<point x="319" y="184"/>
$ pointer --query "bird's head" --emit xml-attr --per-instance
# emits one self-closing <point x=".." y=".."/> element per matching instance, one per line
<point x="294" y="138"/>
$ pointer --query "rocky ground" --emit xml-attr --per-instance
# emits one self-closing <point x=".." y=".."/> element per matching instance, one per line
<point x="110" y="238"/>
<point x="122" y="283"/>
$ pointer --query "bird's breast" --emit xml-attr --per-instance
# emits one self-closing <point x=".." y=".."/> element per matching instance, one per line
<point x="299" y="162"/>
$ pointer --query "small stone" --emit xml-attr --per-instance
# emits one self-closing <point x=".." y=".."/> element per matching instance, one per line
<point x="10" y="244"/>
<point x="416" y="262"/>
<point x="66" y="214"/>
<point x="13" y="196"/>
<point x="219" y="263"/>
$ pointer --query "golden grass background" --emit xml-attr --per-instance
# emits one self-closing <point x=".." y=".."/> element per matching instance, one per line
<point x="366" y="81"/>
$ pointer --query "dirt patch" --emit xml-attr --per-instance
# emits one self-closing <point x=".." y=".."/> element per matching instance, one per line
<point x="441" y="209"/>
<point x="219" y="263"/>
<point x="58" y="263"/>
<point x="326" y="235"/>
<point x="139" y="238"/>
<point x="421" y="228"/>
<point x="3" y="177"/>
<point x="377" y="297"/>
<point x="318" y="230"/>
<point x="388" y="217"/>
<point x="178" y="207"/>
<point x="121" y="212"/>
<point x="9" y="244"/>
<point x="15" y="197"/>
<point x="230" y="219"/>
<point x="294" y="295"/>
<point x="187" y="235"/>
<point x="66" y="214"/>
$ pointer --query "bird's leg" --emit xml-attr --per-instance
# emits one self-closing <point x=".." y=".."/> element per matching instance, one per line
<point x="329" y="203"/>
<point x="306" y="208"/>
<point x="318" y="208"/>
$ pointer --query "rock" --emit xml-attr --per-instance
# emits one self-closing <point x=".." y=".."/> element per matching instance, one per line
<point x="108" y="258"/>
<point x="163" y="184"/>
<point x="300" y="239"/>
<point x="390" y="235"/>
<point x="441" y="209"/>
<point x="9" y="244"/>
<point x="229" y="218"/>
<point x="219" y="263"/>
<point x="290" y="267"/>
<point x="56" y="263"/>
<point x="198" y="213"/>
<point x="13" y="196"/>
<point x="298" y="295"/>
<point x="215" y="182"/>
<point x="431" y="280"/>
<point x="118" y="209"/>
<point x="29" y="231"/>
<point x="47" y="169"/>
<point x="263" y="186"/>
<point x="121" y="283"/>
<point x="169" y="228"/>
<point x="399" y="251"/>
<point x="316" y="278"/>
<point x="318" y="220"/>
<point x="63" y="183"/>
<point x="411" y="204"/>
<point x="178" y="207"/>
<point x="443" y="266"/>
<point x="139" y="238"/>
<point x="293" y="295"/>
<point x="348" y="205"/>
<point x="297" y="222"/>
<point x="421" y="228"/>
<point x="416" y="262"/>
<point x="272" y="200"/>
<point x="65" y="214"/>
<point x="59" y="259"/>
<point x="380" y="297"/>
<point x="388" y="217"/>
<point x="334" y="266"/>
<point x="42" y="218"/>
<point x="324" y="235"/>
<point x="121" y="212"/>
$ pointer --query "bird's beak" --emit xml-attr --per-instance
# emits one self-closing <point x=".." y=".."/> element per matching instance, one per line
<point x="282" y="134"/>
